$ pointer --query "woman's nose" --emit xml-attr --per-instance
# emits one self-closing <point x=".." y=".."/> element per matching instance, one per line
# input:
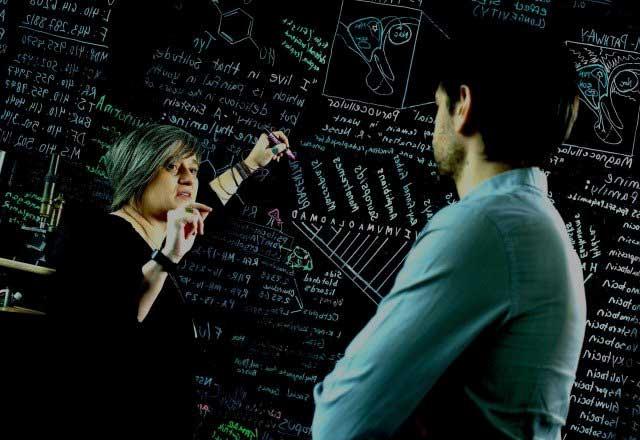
<point x="186" y="176"/>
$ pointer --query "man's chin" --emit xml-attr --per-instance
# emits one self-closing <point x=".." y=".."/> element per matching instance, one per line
<point x="443" y="171"/>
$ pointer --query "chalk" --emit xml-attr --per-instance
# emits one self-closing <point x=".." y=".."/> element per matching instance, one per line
<point x="275" y="141"/>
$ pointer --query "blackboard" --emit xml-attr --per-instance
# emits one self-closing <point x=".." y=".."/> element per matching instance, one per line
<point x="315" y="244"/>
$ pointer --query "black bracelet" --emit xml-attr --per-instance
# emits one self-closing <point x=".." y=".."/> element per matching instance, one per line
<point x="246" y="168"/>
<point x="167" y="265"/>
<point x="241" y="170"/>
<point x="233" y="175"/>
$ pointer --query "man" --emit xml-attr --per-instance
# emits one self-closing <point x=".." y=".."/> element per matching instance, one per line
<point x="481" y="333"/>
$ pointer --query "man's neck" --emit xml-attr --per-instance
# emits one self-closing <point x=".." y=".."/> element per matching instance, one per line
<point x="475" y="171"/>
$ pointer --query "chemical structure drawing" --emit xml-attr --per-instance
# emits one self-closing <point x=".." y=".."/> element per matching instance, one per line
<point x="235" y="26"/>
<point x="609" y="88"/>
<point x="207" y="159"/>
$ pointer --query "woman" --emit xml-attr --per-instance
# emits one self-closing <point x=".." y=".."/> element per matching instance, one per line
<point x="122" y="334"/>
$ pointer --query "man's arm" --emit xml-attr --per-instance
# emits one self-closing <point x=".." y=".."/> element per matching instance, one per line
<point x="453" y="285"/>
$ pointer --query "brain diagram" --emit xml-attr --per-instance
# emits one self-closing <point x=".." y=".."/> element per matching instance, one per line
<point x="609" y="87"/>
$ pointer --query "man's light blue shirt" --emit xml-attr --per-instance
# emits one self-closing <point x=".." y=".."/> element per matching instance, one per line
<point x="492" y="286"/>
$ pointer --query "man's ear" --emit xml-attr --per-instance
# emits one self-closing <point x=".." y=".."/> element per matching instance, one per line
<point x="462" y="112"/>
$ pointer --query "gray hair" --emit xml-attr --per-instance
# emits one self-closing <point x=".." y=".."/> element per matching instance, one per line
<point x="134" y="159"/>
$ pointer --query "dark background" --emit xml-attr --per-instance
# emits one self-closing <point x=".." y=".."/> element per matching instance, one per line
<point x="270" y="324"/>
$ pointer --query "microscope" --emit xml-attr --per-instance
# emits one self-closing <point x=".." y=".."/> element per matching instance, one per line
<point x="51" y="207"/>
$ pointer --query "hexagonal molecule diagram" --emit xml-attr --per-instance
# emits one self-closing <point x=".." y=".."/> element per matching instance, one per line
<point x="235" y="26"/>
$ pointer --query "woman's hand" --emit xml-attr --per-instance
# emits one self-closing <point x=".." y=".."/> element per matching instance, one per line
<point x="262" y="153"/>
<point x="183" y="224"/>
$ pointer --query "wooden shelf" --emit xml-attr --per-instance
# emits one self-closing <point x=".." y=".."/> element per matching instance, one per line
<point x="26" y="267"/>
<point x="21" y="310"/>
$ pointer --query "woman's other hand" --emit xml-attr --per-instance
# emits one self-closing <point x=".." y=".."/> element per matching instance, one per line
<point x="183" y="224"/>
<point x="262" y="153"/>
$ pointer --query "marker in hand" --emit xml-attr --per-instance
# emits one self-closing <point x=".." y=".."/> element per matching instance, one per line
<point x="275" y="141"/>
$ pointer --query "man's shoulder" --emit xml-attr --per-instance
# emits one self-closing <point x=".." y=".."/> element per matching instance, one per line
<point x="529" y="225"/>
<point x="471" y="217"/>
<point x="495" y="223"/>
<point x="511" y="212"/>
<point x="458" y="229"/>
<point x="460" y="250"/>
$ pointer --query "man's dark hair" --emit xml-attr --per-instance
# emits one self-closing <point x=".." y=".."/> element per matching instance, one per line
<point x="522" y="89"/>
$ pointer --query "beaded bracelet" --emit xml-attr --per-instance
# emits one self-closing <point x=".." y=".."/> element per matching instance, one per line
<point x="248" y="169"/>
<point x="244" y="165"/>
<point x="222" y="188"/>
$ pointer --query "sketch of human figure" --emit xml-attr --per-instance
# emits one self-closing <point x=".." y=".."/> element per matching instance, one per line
<point x="368" y="37"/>
<point x="373" y="55"/>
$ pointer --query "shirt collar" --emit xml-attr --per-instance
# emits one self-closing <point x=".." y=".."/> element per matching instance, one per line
<point x="507" y="180"/>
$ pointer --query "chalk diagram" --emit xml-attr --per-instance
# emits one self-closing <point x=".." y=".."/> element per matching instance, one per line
<point x="300" y="258"/>
<point x="207" y="159"/>
<point x="609" y="88"/>
<point x="370" y="261"/>
<point x="372" y="53"/>
<point x="235" y="25"/>
<point x="368" y="37"/>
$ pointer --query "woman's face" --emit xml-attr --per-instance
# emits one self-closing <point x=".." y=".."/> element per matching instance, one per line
<point x="174" y="185"/>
